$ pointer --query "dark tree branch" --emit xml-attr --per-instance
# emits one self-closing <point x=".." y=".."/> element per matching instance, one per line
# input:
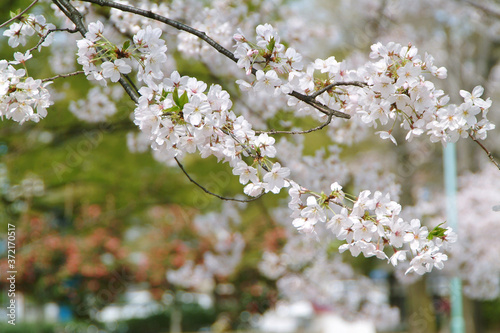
<point x="211" y="193"/>
<point x="76" y="17"/>
<point x="203" y="36"/>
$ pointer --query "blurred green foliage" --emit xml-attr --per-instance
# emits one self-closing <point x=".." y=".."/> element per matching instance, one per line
<point x="28" y="327"/>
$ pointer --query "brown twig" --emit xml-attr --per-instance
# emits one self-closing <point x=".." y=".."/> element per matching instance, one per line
<point x="209" y="192"/>
<point x="490" y="156"/>
<point x="19" y="15"/>
<point x="62" y="76"/>
<point x="323" y="125"/>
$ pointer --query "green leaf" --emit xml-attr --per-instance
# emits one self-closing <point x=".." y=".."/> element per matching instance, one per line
<point x="126" y="44"/>
<point x="165" y="94"/>
<point x="174" y="108"/>
<point x="175" y="97"/>
<point x="271" y="44"/>
<point x="437" y="232"/>
<point x="183" y="100"/>
<point x="14" y="14"/>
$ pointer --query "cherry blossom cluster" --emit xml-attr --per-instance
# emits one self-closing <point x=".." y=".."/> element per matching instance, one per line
<point x="392" y="90"/>
<point x="28" y="25"/>
<point x="271" y="56"/>
<point x="269" y="53"/>
<point x="22" y="98"/>
<point x="400" y="93"/>
<point x="370" y="225"/>
<point x="179" y="118"/>
<point x="102" y="59"/>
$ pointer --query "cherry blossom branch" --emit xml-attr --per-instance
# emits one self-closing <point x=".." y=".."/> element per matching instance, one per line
<point x="209" y="192"/>
<point x="490" y="156"/>
<point x="62" y="76"/>
<point x="178" y="25"/>
<point x="203" y="36"/>
<point x="18" y="15"/>
<point x="323" y="125"/>
<point x="76" y="17"/>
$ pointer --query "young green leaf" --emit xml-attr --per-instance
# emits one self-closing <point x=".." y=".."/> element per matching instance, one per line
<point x="174" y="108"/>
<point x="183" y="99"/>
<point x="437" y="232"/>
<point x="271" y="44"/>
<point x="126" y="44"/>
<point x="175" y="97"/>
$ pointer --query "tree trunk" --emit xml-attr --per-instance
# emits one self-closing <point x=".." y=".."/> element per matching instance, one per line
<point x="176" y="319"/>
<point x="421" y="315"/>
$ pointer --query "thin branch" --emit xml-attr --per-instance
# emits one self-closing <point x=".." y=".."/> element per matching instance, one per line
<point x="490" y="156"/>
<point x="203" y="36"/>
<point x="76" y="17"/>
<point x="42" y="38"/>
<point x="317" y="105"/>
<point x="62" y="76"/>
<point x="19" y="15"/>
<point x="209" y="192"/>
<point x="336" y="84"/>
<point x="323" y="125"/>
